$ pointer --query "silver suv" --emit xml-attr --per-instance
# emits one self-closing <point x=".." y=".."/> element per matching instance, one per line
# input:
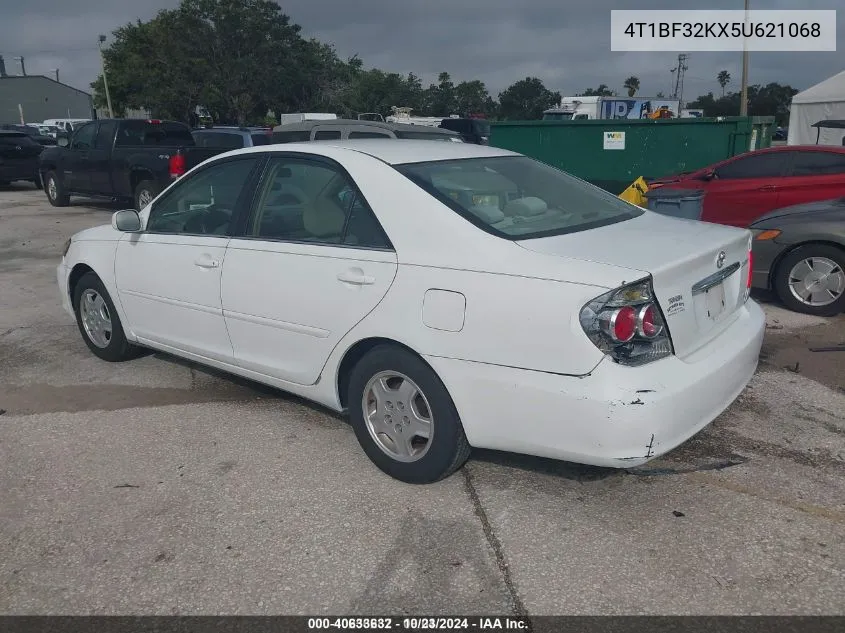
<point x="343" y="129"/>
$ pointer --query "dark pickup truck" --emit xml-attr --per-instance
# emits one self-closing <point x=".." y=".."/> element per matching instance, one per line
<point x="120" y="159"/>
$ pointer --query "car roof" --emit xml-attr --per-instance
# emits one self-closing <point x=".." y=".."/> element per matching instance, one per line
<point x="390" y="151"/>
<point x="396" y="127"/>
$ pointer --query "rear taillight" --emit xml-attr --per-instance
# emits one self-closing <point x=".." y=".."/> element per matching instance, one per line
<point x="627" y="324"/>
<point x="177" y="165"/>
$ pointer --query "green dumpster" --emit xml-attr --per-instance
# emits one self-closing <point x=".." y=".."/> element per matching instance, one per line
<point x="613" y="153"/>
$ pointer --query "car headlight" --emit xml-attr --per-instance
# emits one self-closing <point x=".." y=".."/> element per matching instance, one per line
<point x="762" y="235"/>
<point x="66" y="247"/>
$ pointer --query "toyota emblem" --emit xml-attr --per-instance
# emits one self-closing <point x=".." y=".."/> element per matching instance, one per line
<point x="720" y="259"/>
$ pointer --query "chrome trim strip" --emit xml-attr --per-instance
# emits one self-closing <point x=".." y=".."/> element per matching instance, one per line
<point x="715" y="279"/>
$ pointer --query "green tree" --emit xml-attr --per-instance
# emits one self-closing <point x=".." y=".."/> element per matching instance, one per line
<point x="601" y="91"/>
<point x="724" y="78"/>
<point x="632" y="85"/>
<point x="770" y="100"/>
<point x="526" y="100"/>
<point x="471" y="97"/>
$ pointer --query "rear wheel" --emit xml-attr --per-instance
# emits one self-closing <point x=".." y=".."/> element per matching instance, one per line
<point x="55" y="190"/>
<point x="404" y="418"/>
<point x="98" y="321"/>
<point x="811" y="279"/>
<point x="145" y="192"/>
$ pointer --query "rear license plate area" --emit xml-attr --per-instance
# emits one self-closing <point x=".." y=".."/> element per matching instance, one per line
<point x="714" y="302"/>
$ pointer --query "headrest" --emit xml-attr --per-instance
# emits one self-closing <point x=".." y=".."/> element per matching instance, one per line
<point x="526" y="206"/>
<point x="323" y="219"/>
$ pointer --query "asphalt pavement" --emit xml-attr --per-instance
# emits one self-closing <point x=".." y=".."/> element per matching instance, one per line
<point x="160" y="487"/>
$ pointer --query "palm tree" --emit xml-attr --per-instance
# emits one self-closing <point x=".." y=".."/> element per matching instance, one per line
<point x="724" y="78"/>
<point x="632" y="84"/>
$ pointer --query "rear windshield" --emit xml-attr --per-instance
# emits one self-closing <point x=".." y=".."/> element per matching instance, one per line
<point x="517" y="197"/>
<point x="428" y="136"/>
<point x="141" y="133"/>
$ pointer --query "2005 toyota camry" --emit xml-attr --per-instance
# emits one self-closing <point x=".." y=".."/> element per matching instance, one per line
<point x="445" y="295"/>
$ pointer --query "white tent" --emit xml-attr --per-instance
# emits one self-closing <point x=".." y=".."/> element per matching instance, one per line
<point x="822" y="102"/>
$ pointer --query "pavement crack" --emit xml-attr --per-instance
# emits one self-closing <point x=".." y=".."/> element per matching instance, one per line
<point x="493" y="541"/>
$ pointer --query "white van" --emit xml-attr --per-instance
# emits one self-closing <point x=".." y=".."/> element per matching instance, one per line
<point x="65" y="125"/>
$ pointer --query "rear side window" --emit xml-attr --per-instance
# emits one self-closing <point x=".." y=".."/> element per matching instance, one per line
<point x="144" y="134"/>
<point x="428" y="136"/>
<point x="368" y="135"/>
<point x="219" y="140"/>
<point x="261" y="139"/>
<point x="105" y="135"/>
<point x="326" y="135"/>
<point x="818" y="164"/>
<point x="292" y="136"/>
<point x="769" y="165"/>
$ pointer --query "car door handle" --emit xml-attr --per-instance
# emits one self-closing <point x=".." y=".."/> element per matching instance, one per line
<point x="356" y="277"/>
<point x="207" y="262"/>
<point x="768" y="188"/>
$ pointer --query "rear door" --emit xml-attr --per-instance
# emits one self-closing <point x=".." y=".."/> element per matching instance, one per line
<point x="312" y="262"/>
<point x="99" y="157"/>
<point x="76" y="161"/>
<point x="813" y="175"/>
<point x="745" y="188"/>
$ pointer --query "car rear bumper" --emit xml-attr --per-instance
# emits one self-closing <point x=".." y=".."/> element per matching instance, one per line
<point x="616" y="416"/>
<point x="18" y="170"/>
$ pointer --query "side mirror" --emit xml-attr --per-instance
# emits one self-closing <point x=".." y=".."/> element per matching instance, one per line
<point x="127" y="221"/>
<point x="708" y="175"/>
<point x="62" y="141"/>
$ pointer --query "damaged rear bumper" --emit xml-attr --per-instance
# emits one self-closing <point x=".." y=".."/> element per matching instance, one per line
<point x="616" y="416"/>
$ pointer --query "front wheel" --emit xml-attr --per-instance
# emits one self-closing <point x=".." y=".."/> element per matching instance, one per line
<point x="145" y="192"/>
<point x="811" y="280"/>
<point x="55" y="190"/>
<point x="98" y="321"/>
<point x="404" y="418"/>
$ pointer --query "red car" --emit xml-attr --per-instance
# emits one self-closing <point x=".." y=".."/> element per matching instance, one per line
<point x="743" y="188"/>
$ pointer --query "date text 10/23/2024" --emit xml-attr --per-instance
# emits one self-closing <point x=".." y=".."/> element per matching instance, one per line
<point x="480" y="623"/>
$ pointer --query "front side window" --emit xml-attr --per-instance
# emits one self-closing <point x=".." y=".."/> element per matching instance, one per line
<point x="205" y="203"/>
<point x="292" y="136"/>
<point x="357" y="134"/>
<point x="226" y="140"/>
<point x="307" y="201"/>
<point x="326" y="135"/>
<point x="428" y="136"/>
<point x="517" y="197"/>
<point x="84" y="137"/>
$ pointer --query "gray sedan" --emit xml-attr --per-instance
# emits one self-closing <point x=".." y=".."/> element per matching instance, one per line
<point x="799" y="252"/>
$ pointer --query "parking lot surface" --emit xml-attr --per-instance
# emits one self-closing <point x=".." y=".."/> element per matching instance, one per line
<point x="159" y="487"/>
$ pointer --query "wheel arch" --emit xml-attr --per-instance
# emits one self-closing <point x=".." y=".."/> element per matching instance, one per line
<point x="355" y="353"/>
<point x="773" y="269"/>
<point x="77" y="272"/>
<point x="139" y="175"/>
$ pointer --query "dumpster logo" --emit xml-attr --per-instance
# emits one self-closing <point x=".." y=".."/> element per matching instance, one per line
<point x="720" y="259"/>
<point x="676" y="305"/>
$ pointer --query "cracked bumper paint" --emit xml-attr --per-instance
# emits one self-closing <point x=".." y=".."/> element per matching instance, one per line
<point x="617" y="416"/>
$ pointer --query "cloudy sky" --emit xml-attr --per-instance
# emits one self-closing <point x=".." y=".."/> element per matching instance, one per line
<point x="566" y="44"/>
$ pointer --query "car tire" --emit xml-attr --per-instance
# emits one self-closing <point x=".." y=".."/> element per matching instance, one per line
<point x="144" y="194"/>
<point x="99" y="322"/>
<point x="812" y="261"/>
<point x="412" y="394"/>
<point x="55" y="190"/>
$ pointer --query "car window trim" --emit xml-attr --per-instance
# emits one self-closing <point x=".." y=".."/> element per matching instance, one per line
<point x="247" y="217"/>
<point x="243" y="196"/>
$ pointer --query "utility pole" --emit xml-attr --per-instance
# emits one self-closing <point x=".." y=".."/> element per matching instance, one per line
<point x="743" y="99"/>
<point x="105" y="80"/>
<point x="679" y="78"/>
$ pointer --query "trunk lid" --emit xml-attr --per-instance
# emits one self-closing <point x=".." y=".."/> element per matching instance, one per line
<point x="698" y="296"/>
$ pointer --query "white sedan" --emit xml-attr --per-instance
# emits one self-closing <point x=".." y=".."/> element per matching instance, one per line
<point x="444" y="295"/>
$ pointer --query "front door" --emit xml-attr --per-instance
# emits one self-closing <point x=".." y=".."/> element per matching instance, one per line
<point x="312" y="262"/>
<point x="168" y="276"/>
